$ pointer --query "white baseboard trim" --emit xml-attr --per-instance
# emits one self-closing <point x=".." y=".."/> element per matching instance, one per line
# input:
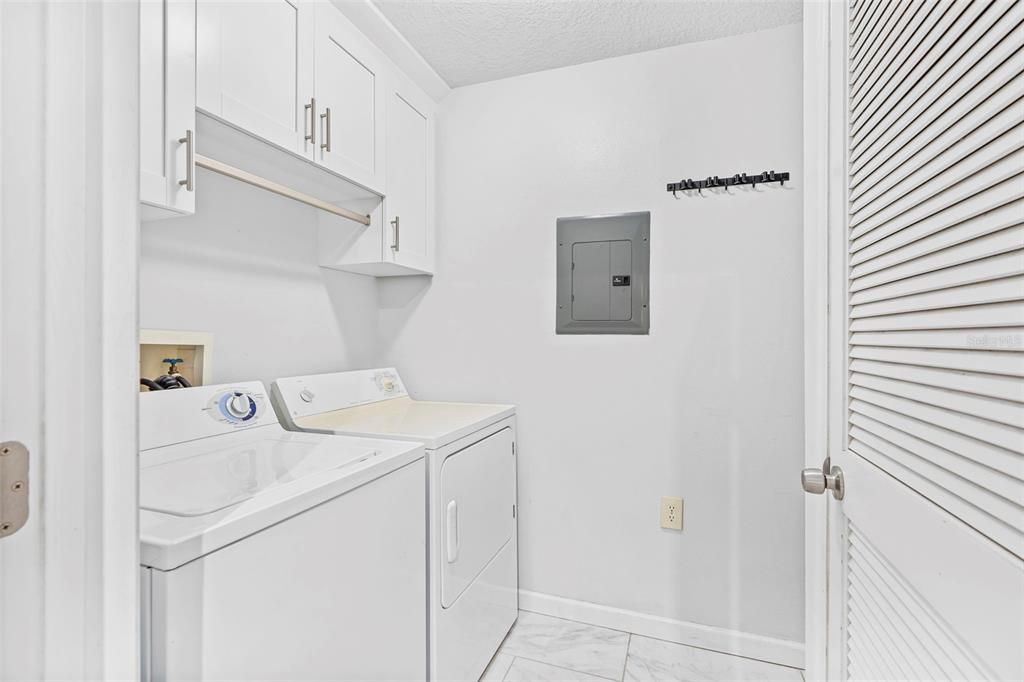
<point x="781" y="651"/>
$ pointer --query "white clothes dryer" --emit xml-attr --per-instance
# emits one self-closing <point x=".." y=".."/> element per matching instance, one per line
<point x="471" y="499"/>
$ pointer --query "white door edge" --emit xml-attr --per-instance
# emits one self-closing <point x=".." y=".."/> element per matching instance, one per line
<point x="824" y="363"/>
<point x="69" y="602"/>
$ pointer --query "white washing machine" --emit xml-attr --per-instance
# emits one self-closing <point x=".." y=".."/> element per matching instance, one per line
<point x="273" y="555"/>
<point x="471" y="512"/>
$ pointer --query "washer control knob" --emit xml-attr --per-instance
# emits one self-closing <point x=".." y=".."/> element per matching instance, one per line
<point x="307" y="395"/>
<point x="239" y="405"/>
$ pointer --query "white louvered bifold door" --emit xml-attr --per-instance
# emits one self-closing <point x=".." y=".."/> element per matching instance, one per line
<point x="933" y="519"/>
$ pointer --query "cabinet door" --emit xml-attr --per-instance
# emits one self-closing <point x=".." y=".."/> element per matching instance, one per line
<point x="350" y="95"/>
<point x="409" y="202"/>
<point x="167" y="54"/>
<point x="255" y="67"/>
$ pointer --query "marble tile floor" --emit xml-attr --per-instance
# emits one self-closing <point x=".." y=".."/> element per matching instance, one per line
<point x="545" y="649"/>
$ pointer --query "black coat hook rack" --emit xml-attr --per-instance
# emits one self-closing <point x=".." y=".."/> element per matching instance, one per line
<point x="712" y="181"/>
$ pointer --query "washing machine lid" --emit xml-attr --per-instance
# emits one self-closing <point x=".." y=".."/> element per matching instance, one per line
<point x="199" y="496"/>
<point x="435" y="424"/>
<point x="212" y="475"/>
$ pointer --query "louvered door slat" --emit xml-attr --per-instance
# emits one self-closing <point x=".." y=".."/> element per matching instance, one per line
<point x="867" y="570"/>
<point x="1002" y="196"/>
<point x="995" y="458"/>
<point x="1006" y="437"/>
<point x="923" y="139"/>
<point x="864" y="666"/>
<point x="1008" y="289"/>
<point x="964" y="339"/>
<point x="1009" y="314"/>
<point x="989" y="484"/>
<point x="988" y="361"/>
<point x="914" y="475"/>
<point x="913" y="65"/>
<point x="982" y="41"/>
<point x="905" y="38"/>
<point x="908" y="264"/>
<point x="1004" y="412"/>
<point x="976" y="135"/>
<point x="867" y="562"/>
<point x="990" y="385"/>
<point x="883" y="646"/>
<point x="972" y="272"/>
<point x="862" y="27"/>
<point x="895" y="630"/>
<point x="880" y="226"/>
<point x="940" y="102"/>
<point x="930" y="653"/>
<point x="867" y="85"/>
<point x="878" y="32"/>
<point x="900" y="24"/>
<point x="939" y="182"/>
<point x="857" y="11"/>
<point x="999" y="162"/>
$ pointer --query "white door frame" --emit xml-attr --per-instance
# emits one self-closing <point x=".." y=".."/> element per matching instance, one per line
<point x="824" y="110"/>
<point x="68" y="336"/>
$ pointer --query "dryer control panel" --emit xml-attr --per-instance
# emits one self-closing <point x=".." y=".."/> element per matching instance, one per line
<point x="318" y="393"/>
<point x="184" y="414"/>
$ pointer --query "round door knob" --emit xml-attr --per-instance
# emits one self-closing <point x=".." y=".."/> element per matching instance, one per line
<point x="813" y="481"/>
<point x="816" y="481"/>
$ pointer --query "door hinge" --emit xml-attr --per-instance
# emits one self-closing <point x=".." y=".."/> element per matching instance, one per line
<point x="513" y="449"/>
<point x="13" y="487"/>
<point x="513" y="511"/>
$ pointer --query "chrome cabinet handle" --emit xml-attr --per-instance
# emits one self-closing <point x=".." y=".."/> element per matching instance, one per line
<point x="311" y="128"/>
<point x="817" y="481"/>
<point x="398" y="233"/>
<point x="326" y="144"/>
<point x="189" y="160"/>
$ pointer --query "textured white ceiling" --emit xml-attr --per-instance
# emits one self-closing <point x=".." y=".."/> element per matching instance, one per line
<point x="471" y="41"/>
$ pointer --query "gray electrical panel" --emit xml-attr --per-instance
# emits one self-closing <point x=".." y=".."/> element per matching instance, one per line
<point x="603" y="282"/>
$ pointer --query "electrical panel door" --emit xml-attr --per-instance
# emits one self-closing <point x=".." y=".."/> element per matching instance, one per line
<point x="603" y="274"/>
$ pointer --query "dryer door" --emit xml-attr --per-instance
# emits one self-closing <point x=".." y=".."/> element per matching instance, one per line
<point x="477" y="494"/>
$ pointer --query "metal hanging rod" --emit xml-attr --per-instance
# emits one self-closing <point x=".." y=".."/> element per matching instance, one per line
<point x="713" y="181"/>
<point x="271" y="186"/>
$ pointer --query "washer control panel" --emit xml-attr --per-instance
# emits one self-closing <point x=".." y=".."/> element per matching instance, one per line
<point x="184" y="414"/>
<point x="235" y="406"/>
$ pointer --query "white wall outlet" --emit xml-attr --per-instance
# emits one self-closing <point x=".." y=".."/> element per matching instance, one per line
<point x="672" y="513"/>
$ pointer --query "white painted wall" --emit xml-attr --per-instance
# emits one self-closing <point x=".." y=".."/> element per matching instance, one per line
<point x="709" y="406"/>
<point x="244" y="268"/>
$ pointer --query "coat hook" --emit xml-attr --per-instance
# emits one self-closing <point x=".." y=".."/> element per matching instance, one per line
<point x="765" y="177"/>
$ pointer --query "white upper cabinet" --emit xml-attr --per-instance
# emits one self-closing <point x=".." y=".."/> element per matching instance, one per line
<point x="300" y="75"/>
<point x="400" y="237"/>
<point x="350" y="95"/>
<point x="255" y="68"/>
<point x="409" y="204"/>
<point x="167" y="100"/>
